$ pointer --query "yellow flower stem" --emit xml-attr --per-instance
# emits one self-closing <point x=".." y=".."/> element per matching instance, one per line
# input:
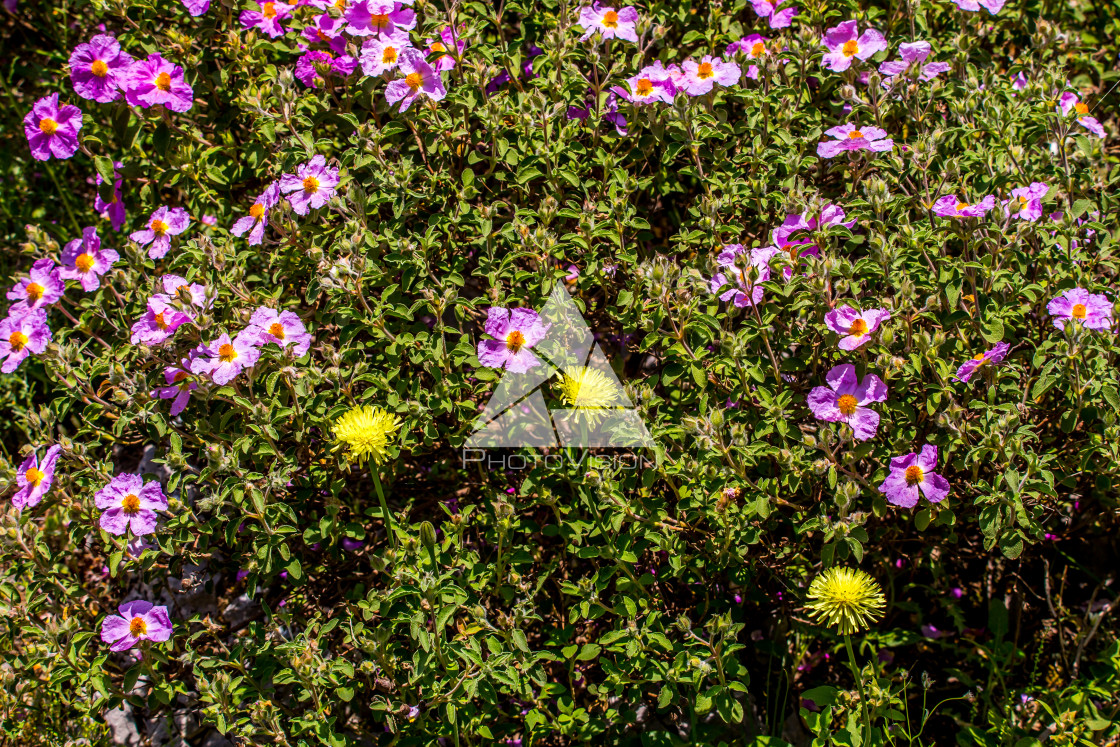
<point x="388" y="517"/>
<point x="859" y="684"/>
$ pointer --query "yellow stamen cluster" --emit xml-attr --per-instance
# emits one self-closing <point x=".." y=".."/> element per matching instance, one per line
<point x="587" y="387"/>
<point x="366" y="431"/>
<point x="847" y="599"/>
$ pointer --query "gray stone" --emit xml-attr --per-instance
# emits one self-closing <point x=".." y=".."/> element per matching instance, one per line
<point x="123" y="726"/>
<point x="239" y="611"/>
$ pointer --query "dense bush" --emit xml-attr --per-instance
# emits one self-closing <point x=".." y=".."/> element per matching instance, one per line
<point x="266" y="221"/>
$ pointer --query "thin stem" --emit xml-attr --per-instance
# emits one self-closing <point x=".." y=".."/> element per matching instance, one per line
<point x="388" y="517"/>
<point x="859" y="683"/>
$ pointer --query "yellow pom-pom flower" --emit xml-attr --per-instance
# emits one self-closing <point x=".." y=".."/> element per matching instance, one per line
<point x="586" y="387"/>
<point x="366" y="432"/>
<point x="845" y="598"/>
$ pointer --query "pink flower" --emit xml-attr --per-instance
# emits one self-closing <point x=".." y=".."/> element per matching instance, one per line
<point x="23" y="332"/>
<point x="913" y="55"/>
<point x="992" y="6"/>
<point x="701" y="77"/>
<point x="995" y="355"/>
<point x="52" y="130"/>
<point x="752" y="47"/>
<point x="849" y="137"/>
<point x="98" y="68"/>
<point x="196" y="292"/>
<point x="34" y="479"/>
<point x="137" y="621"/>
<point x="327" y="30"/>
<point x="843" y="45"/>
<point x="1026" y="202"/>
<point x="515" y="333"/>
<point x="855" y="326"/>
<point x="610" y="23"/>
<point x="778" y="19"/>
<point x="419" y="80"/>
<point x="128" y="503"/>
<point x="311" y="187"/>
<point x="196" y="7"/>
<point x="382" y="54"/>
<point x="257" y="219"/>
<point x="376" y="18"/>
<point x="282" y="328"/>
<point x="158" y="323"/>
<point x="448" y="39"/>
<point x="1069" y="103"/>
<point x="267" y="19"/>
<point x="845" y="397"/>
<point x="43" y="286"/>
<point x="785" y="243"/>
<point x="85" y="261"/>
<point x="737" y="265"/>
<point x="315" y="66"/>
<point x="180" y="385"/>
<point x="114" y="209"/>
<point x="1090" y="310"/>
<point x="156" y="81"/>
<point x="224" y="358"/>
<point x="164" y="223"/>
<point x="913" y="475"/>
<point x="653" y="83"/>
<point x="950" y="207"/>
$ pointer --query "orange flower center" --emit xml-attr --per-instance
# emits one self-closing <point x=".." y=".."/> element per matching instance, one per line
<point x="99" y="68"/>
<point x="159" y="228"/>
<point x="163" y="82"/>
<point x="645" y="87"/>
<point x="846" y="404"/>
<point x="438" y="47"/>
<point x="310" y="185"/>
<point x="276" y="329"/>
<point x="855" y="135"/>
<point x="704" y="71"/>
<point x="226" y="353"/>
<point x="34" y="477"/>
<point x="414" y="80"/>
<point x="610" y="19"/>
<point x="1022" y="201"/>
<point x="962" y="206"/>
<point x="179" y="376"/>
<point x="131" y="504"/>
<point x="1081" y="109"/>
<point x="850" y="48"/>
<point x="793" y="250"/>
<point x="1078" y="311"/>
<point x="514" y="341"/>
<point x="340" y="4"/>
<point x="84" y="262"/>
<point x="48" y="126"/>
<point x="160" y="321"/>
<point x="389" y="55"/>
<point x="268" y="10"/>
<point x="914" y="475"/>
<point x="858" y="327"/>
<point x="137" y="627"/>
<point x="758" y="48"/>
<point x="379" y="20"/>
<point x="256" y="211"/>
<point x="17" y="340"/>
<point x="34" y="292"/>
<point x="980" y="358"/>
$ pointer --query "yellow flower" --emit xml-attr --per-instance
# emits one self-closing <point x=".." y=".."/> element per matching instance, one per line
<point x="366" y="431"/>
<point x="588" y="387"/>
<point x="845" y="598"/>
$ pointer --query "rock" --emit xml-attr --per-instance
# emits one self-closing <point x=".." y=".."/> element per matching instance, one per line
<point x="123" y="726"/>
<point x="239" y="611"/>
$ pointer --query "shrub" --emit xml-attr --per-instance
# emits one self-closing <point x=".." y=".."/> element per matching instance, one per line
<point x="860" y="296"/>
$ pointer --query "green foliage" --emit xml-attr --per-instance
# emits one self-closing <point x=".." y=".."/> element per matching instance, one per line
<point x="585" y="603"/>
